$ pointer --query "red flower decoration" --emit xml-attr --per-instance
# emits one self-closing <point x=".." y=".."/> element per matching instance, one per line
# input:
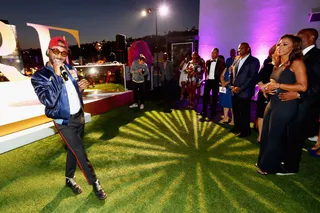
<point x="137" y="48"/>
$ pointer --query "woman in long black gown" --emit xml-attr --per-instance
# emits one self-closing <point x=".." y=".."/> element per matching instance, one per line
<point x="289" y="75"/>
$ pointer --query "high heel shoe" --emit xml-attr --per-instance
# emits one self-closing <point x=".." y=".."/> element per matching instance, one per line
<point x="224" y="121"/>
<point x="316" y="147"/>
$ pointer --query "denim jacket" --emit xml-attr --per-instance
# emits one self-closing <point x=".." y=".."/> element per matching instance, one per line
<point x="52" y="93"/>
<point x="138" y="77"/>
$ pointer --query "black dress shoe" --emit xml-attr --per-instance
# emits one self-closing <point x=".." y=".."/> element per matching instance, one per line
<point x="200" y="113"/>
<point x="76" y="189"/>
<point x="202" y="119"/>
<point x="101" y="195"/>
<point x="167" y="110"/>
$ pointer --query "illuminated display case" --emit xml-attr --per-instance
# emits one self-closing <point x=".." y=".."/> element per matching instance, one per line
<point x="110" y="73"/>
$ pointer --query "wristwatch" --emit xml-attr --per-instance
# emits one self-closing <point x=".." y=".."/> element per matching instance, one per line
<point x="299" y="97"/>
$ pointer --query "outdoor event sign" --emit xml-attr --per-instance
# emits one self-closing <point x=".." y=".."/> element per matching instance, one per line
<point x="18" y="92"/>
<point x="44" y="36"/>
<point x="11" y="64"/>
<point x="9" y="46"/>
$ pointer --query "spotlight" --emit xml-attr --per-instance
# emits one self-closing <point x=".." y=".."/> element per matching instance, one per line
<point x="163" y="10"/>
<point x="143" y="13"/>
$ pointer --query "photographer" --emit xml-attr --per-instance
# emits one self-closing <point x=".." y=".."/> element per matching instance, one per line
<point x="139" y="70"/>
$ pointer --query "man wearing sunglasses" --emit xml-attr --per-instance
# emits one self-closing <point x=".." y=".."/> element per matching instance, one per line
<point x="57" y="88"/>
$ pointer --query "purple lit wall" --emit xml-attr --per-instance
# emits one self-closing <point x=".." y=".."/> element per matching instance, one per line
<point x="225" y="24"/>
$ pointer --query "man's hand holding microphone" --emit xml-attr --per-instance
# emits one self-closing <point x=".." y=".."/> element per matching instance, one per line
<point x="59" y="69"/>
<point x="58" y="66"/>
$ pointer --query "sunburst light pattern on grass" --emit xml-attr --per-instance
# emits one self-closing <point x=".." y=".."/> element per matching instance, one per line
<point x="159" y="162"/>
<point x="204" y="167"/>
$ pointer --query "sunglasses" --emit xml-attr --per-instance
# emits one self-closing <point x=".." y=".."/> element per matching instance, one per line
<point x="57" y="52"/>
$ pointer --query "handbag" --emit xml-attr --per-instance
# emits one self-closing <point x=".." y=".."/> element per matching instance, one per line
<point x="222" y="89"/>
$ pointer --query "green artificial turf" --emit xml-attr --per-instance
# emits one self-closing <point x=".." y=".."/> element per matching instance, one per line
<point x="150" y="161"/>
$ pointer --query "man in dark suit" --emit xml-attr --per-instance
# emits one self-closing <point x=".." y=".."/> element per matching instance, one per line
<point x="214" y="68"/>
<point x="243" y="80"/>
<point x="304" y="124"/>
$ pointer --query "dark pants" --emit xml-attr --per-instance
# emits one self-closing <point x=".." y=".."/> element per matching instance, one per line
<point x="301" y="128"/>
<point x="241" y="111"/>
<point x="72" y="135"/>
<point x="138" y="92"/>
<point x="312" y="120"/>
<point x="167" y="93"/>
<point x="214" y="86"/>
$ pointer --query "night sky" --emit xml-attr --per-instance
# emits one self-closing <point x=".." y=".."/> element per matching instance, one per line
<point x="96" y="19"/>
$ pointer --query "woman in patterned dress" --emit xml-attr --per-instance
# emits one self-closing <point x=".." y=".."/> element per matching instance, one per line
<point x="194" y="68"/>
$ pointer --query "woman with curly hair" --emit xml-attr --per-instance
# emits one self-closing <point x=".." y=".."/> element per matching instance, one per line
<point x="194" y="68"/>
<point x="289" y="75"/>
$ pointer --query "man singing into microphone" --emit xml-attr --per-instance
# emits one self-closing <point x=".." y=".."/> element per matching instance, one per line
<point x="57" y="89"/>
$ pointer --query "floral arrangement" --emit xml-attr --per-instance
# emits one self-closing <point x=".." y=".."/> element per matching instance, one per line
<point x="137" y="48"/>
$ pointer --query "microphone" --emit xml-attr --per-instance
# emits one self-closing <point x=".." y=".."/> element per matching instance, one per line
<point x="64" y="74"/>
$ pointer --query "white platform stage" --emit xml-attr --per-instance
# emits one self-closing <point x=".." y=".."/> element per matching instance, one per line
<point x="22" y="119"/>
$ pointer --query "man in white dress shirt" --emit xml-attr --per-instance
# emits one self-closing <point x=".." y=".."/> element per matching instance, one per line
<point x="57" y="88"/>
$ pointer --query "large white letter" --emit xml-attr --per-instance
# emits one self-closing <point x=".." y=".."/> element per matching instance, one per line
<point x="8" y="47"/>
<point x="8" y="40"/>
<point x="44" y="36"/>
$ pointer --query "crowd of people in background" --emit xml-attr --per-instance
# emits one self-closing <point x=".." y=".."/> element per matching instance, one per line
<point x="288" y="103"/>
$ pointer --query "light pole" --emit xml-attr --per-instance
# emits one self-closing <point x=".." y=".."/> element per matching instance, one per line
<point x="162" y="10"/>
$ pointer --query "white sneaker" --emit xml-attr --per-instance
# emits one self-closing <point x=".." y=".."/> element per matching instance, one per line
<point x="133" y="105"/>
<point x="285" y="173"/>
<point x="141" y="106"/>
<point x="314" y="138"/>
